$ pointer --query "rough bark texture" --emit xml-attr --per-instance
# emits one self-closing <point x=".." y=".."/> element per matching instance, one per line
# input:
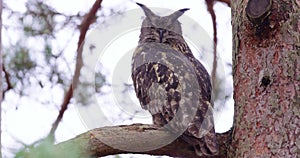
<point x="89" y="144"/>
<point x="266" y="69"/>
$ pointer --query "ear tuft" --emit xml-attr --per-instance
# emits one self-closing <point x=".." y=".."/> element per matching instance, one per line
<point x="177" y="14"/>
<point x="141" y="5"/>
<point x="184" y="10"/>
<point x="149" y="14"/>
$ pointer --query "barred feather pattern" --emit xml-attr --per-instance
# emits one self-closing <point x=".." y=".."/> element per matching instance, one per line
<point x="164" y="74"/>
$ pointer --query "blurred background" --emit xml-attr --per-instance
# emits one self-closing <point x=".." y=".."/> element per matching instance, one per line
<point x="39" y="54"/>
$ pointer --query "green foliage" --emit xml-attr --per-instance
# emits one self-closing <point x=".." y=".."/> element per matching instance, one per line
<point x="45" y="149"/>
<point x="21" y="61"/>
<point x="38" y="19"/>
<point x="41" y="150"/>
<point x="32" y="49"/>
<point x="48" y="52"/>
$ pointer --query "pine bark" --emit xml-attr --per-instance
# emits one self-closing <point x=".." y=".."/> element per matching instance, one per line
<point x="266" y="70"/>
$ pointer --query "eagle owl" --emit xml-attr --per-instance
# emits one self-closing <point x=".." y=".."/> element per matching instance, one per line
<point x="172" y="84"/>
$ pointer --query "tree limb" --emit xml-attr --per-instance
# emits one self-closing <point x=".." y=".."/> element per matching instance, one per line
<point x="210" y="9"/>
<point x="225" y="1"/>
<point x="7" y="79"/>
<point x="132" y="136"/>
<point x="87" y="21"/>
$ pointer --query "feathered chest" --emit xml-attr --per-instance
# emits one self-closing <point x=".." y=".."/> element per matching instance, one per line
<point x="164" y="78"/>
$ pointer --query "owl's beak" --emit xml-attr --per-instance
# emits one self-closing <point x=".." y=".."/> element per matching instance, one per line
<point x="161" y="34"/>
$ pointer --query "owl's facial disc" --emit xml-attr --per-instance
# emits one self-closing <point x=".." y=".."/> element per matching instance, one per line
<point x="161" y="28"/>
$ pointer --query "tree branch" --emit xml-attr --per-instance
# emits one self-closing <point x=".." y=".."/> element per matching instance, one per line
<point x="7" y="79"/>
<point x="225" y="1"/>
<point x="87" y="21"/>
<point x="133" y="137"/>
<point x="210" y="9"/>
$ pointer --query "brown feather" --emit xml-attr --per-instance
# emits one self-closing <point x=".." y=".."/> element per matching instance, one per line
<point x="160" y="64"/>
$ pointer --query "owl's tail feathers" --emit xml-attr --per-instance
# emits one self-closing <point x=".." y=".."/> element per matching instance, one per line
<point x="209" y="147"/>
<point x="205" y="146"/>
<point x="204" y="150"/>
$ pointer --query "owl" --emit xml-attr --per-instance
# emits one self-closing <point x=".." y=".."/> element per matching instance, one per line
<point x="172" y="84"/>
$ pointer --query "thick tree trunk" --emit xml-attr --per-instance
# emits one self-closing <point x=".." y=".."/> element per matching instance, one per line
<point x="266" y="69"/>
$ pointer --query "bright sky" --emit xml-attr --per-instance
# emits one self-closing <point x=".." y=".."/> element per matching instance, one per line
<point x="32" y="121"/>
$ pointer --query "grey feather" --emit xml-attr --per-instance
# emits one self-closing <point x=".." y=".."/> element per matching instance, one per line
<point x="161" y="61"/>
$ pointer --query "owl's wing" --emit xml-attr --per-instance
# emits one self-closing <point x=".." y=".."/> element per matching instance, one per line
<point x="172" y="88"/>
<point x="156" y="88"/>
<point x="201" y="131"/>
<point x="202" y="126"/>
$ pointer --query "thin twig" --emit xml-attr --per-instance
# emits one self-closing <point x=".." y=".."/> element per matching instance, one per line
<point x="210" y="8"/>
<point x="7" y="80"/>
<point x="225" y="1"/>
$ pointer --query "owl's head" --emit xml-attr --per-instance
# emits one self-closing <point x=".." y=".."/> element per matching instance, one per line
<point x="161" y="26"/>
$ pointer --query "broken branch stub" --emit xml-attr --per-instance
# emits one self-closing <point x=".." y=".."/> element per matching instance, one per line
<point x="258" y="10"/>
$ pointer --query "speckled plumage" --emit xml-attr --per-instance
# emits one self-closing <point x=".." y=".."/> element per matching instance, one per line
<point x="171" y="83"/>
